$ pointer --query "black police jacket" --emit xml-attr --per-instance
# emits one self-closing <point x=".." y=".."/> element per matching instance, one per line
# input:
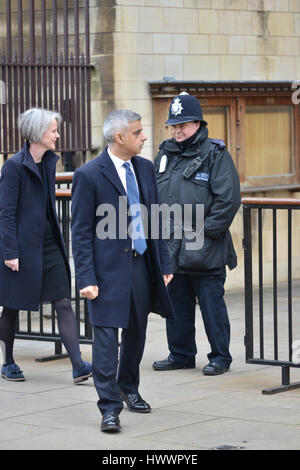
<point x="194" y="180"/>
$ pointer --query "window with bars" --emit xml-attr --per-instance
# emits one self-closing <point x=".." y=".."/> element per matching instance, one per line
<point x="45" y="62"/>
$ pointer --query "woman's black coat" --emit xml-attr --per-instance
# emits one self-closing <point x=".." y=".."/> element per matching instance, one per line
<point x="22" y="225"/>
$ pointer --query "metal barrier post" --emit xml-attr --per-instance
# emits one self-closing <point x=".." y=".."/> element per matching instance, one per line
<point x="57" y="353"/>
<point x="285" y="383"/>
<point x="274" y="205"/>
<point x="247" y="245"/>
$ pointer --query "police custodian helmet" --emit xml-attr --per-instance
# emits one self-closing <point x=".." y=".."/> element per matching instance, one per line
<point x="184" y="108"/>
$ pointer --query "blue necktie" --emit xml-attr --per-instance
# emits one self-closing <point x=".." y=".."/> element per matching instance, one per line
<point x="138" y="236"/>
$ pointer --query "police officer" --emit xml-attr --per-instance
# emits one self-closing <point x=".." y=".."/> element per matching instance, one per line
<point x="194" y="170"/>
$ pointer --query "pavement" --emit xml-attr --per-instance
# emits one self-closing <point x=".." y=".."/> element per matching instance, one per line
<point x="190" y="412"/>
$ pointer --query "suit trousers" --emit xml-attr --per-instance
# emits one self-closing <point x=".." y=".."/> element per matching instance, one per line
<point x="209" y="290"/>
<point x="119" y="370"/>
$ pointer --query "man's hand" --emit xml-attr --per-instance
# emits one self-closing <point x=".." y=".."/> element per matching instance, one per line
<point x="167" y="278"/>
<point x="13" y="264"/>
<point x="89" y="292"/>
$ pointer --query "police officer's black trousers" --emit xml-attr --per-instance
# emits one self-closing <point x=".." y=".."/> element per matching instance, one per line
<point x="209" y="290"/>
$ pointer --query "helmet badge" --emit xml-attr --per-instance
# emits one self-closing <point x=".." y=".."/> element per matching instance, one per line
<point x="176" y="107"/>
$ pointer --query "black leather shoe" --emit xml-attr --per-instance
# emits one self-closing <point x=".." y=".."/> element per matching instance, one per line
<point x="110" y="422"/>
<point x="135" y="402"/>
<point x="169" y="364"/>
<point x="213" y="368"/>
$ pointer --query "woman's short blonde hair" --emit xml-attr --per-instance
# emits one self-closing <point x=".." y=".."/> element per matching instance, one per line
<point x="35" y="121"/>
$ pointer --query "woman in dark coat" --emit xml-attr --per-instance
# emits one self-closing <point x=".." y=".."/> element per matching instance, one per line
<point x="33" y="262"/>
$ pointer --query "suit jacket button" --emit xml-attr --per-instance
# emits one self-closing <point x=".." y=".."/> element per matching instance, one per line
<point x="126" y="249"/>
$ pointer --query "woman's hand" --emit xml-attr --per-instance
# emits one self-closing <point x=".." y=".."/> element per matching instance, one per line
<point x="90" y="292"/>
<point x="13" y="264"/>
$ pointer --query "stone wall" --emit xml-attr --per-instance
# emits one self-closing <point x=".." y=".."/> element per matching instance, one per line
<point x="136" y="41"/>
<point x="193" y="40"/>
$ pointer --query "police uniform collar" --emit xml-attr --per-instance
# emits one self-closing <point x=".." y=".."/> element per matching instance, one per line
<point x="192" y="147"/>
<point x="190" y="140"/>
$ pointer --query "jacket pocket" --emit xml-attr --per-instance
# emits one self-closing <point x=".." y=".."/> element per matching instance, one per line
<point x="212" y="255"/>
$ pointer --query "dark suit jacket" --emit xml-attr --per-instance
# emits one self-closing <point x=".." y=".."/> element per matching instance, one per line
<point x="107" y="262"/>
<point x="22" y="225"/>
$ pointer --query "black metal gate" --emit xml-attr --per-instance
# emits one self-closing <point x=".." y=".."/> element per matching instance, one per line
<point x="45" y="62"/>
<point x="271" y="311"/>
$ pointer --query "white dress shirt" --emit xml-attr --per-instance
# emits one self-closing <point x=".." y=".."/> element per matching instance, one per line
<point x="121" y="170"/>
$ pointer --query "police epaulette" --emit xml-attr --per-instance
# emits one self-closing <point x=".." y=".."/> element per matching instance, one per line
<point x="162" y="143"/>
<point x="219" y="142"/>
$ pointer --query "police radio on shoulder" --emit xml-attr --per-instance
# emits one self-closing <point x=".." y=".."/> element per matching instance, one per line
<point x="194" y="166"/>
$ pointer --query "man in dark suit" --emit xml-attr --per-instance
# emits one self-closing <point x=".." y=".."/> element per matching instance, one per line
<point x="119" y="266"/>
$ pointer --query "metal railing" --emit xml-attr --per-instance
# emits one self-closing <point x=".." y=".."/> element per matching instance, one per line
<point x="42" y="325"/>
<point x="271" y="325"/>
